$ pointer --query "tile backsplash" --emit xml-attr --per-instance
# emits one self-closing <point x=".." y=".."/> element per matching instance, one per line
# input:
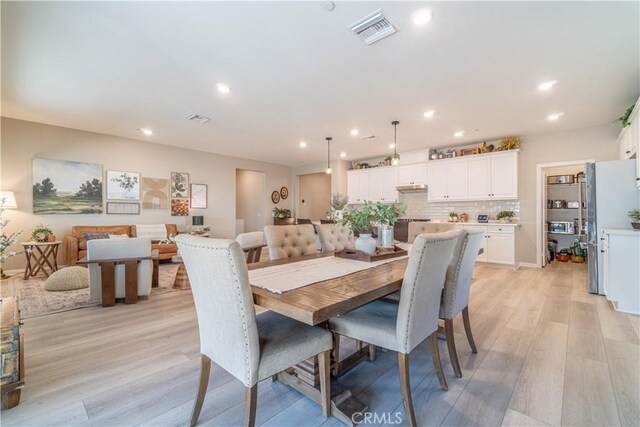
<point x="417" y="207"/>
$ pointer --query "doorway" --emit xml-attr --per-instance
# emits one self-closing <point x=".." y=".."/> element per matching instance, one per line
<point x="561" y="209"/>
<point x="314" y="196"/>
<point x="250" y="200"/>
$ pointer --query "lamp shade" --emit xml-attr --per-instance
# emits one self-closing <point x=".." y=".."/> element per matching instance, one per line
<point x="8" y="200"/>
<point x="197" y="220"/>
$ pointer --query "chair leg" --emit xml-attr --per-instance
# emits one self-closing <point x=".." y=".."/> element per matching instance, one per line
<point x="335" y="355"/>
<point x="467" y="329"/>
<point x="250" y="398"/>
<point x="405" y="386"/>
<point x="437" y="365"/>
<point x="325" y="382"/>
<point x="358" y="345"/>
<point x="205" y="369"/>
<point x="373" y="350"/>
<point x="451" y="346"/>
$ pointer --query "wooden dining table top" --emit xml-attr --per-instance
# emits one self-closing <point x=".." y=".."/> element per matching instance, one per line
<point x="317" y="303"/>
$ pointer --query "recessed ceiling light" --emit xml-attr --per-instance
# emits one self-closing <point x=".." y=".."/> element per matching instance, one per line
<point x="421" y="17"/>
<point x="343" y="154"/>
<point x="459" y="133"/>
<point x="302" y="144"/>
<point x="392" y="146"/>
<point x="354" y="132"/>
<point x="223" y="88"/>
<point x="547" y="85"/>
<point x="554" y="116"/>
<point x="429" y="114"/>
<point x="147" y="132"/>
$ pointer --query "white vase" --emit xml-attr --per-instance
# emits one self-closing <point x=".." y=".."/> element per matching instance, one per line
<point x="366" y="244"/>
<point x="385" y="235"/>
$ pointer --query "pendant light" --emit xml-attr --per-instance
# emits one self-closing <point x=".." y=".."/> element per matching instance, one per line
<point x="395" y="161"/>
<point x="328" y="169"/>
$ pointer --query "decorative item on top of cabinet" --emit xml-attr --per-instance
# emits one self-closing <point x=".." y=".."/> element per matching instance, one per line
<point x="509" y="143"/>
<point x="469" y="151"/>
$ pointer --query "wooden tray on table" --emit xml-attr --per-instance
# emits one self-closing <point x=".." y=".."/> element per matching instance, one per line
<point x="378" y="256"/>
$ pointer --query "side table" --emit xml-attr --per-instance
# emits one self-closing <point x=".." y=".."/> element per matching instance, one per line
<point x="39" y="256"/>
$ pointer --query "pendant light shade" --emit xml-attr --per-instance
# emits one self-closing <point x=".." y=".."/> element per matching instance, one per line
<point x="395" y="160"/>
<point x="328" y="169"/>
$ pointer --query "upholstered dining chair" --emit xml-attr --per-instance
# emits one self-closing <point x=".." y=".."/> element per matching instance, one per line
<point x="421" y="227"/>
<point x="301" y="221"/>
<point x="249" y="347"/>
<point x="455" y="295"/>
<point x="402" y="327"/>
<point x="252" y="244"/>
<point x="335" y="237"/>
<point x="286" y="241"/>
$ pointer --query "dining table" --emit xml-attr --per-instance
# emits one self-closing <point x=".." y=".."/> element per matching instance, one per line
<point x="315" y="304"/>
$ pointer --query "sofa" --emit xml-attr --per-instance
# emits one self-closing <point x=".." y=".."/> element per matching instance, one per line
<point x="75" y="245"/>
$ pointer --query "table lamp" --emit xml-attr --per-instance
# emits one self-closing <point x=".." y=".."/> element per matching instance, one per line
<point x="197" y="220"/>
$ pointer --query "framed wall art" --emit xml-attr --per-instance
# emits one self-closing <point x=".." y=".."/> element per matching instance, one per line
<point x="123" y="208"/>
<point x="64" y="187"/>
<point x="155" y="193"/>
<point x="179" y="185"/>
<point x="275" y="197"/>
<point x="179" y="207"/>
<point x="123" y="185"/>
<point x="284" y="193"/>
<point x="198" y="196"/>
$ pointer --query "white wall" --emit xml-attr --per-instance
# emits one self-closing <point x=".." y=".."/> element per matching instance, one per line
<point x="250" y="199"/>
<point x="22" y="141"/>
<point x="314" y="196"/>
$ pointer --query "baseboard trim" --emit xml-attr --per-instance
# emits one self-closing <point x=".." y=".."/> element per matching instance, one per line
<point x="528" y="265"/>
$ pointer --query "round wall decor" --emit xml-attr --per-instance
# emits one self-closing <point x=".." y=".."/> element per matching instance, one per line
<point x="275" y="197"/>
<point x="284" y="192"/>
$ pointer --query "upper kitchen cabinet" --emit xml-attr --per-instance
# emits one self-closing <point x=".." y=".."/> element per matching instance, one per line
<point x="447" y="180"/>
<point x="412" y="174"/>
<point x="630" y="140"/>
<point x="375" y="184"/>
<point x="358" y="186"/>
<point x="504" y="175"/>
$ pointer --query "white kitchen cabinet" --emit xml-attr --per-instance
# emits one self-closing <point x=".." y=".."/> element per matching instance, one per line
<point x="483" y="257"/>
<point x="447" y="181"/>
<point x="358" y="186"/>
<point x="499" y="242"/>
<point x="382" y="184"/>
<point x="493" y="176"/>
<point x="620" y="267"/>
<point x="412" y="174"/>
<point x="629" y="141"/>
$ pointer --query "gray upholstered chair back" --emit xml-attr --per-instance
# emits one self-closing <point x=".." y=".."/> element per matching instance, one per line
<point x="457" y="285"/>
<point x="224" y="305"/>
<point x="421" y="227"/>
<point x="422" y="288"/>
<point x="286" y="241"/>
<point x="335" y="237"/>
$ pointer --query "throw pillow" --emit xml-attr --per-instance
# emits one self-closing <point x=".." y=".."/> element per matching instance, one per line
<point x="94" y="236"/>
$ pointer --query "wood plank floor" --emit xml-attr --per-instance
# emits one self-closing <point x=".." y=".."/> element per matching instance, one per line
<point x="549" y="353"/>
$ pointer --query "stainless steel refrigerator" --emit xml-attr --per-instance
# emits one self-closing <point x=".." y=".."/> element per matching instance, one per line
<point x="611" y="193"/>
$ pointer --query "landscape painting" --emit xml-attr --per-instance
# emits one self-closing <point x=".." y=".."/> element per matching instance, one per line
<point x="64" y="187"/>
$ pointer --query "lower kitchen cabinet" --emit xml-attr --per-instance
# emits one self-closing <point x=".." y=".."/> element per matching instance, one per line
<point x="499" y="242"/>
<point x="621" y="273"/>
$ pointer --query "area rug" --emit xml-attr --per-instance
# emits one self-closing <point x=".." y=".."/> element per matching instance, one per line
<point x="35" y="301"/>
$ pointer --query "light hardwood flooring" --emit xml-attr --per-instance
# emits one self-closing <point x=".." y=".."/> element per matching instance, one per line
<point x="549" y="353"/>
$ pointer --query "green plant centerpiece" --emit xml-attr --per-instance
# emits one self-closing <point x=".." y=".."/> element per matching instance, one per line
<point x="387" y="216"/>
<point x="634" y="214"/>
<point x="41" y="233"/>
<point x="360" y="220"/>
<point x="6" y="240"/>
<point x="338" y="203"/>
<point x="505" y="216"/>
<point x="453" y="216"/>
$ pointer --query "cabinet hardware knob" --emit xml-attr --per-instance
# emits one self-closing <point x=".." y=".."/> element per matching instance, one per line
<point x="627" y="152"/>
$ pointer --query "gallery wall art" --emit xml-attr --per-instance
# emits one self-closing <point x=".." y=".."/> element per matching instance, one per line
<point x="65" y="187"/>
<point x="198" y="196"/>
<point x="179" y="185"/>
<point x="123" y="185"/>
<point x="123" y="208"/>
<point x="155" y="193"/>
<point x="179" y="207"/>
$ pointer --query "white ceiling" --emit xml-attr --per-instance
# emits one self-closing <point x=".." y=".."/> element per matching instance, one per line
<point x="296" y="73"/>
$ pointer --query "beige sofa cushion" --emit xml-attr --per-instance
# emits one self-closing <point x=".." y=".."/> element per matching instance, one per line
<point x="335" y="237"/>
<point x="286" y="241"/>
<point x="421" y="227"/>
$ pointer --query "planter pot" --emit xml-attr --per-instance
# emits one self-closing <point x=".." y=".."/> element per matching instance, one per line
<point x="366" y="244"/>
<point x="51" y="238"/>
<point x="635" y="225"/>
<point x="385" y="236"/>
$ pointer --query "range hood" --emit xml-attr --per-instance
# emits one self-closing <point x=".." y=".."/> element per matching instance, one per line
<point x="412" y="188"/>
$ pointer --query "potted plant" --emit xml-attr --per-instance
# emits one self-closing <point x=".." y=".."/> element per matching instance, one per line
<point x="453" y="217"/>
<point x="387" y="216"/>
<point x="338" y="203"/>
<point x="634" y="214"/>
<point x="41" y="233"/>
<point x="6" y="240"/>
<point x="359" y="220"/>
<point x="279" y="213"/>
<point x="624" y="119"/>
<point x="505" y="216"/>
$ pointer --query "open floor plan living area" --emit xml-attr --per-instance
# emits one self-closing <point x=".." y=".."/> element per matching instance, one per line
<point x="320" y="213"/>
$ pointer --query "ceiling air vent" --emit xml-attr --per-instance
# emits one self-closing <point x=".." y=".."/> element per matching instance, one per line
<point x="370" y="138"/>
<point x="373" y="27"/>
<point x="198" y="118"/>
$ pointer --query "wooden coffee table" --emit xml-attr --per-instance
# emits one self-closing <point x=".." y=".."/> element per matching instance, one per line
<point x="41" y="255"/>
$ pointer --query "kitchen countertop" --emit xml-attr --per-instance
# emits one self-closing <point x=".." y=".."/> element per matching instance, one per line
<point x="490" y="223"/>
<point x="629" y="231"/>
